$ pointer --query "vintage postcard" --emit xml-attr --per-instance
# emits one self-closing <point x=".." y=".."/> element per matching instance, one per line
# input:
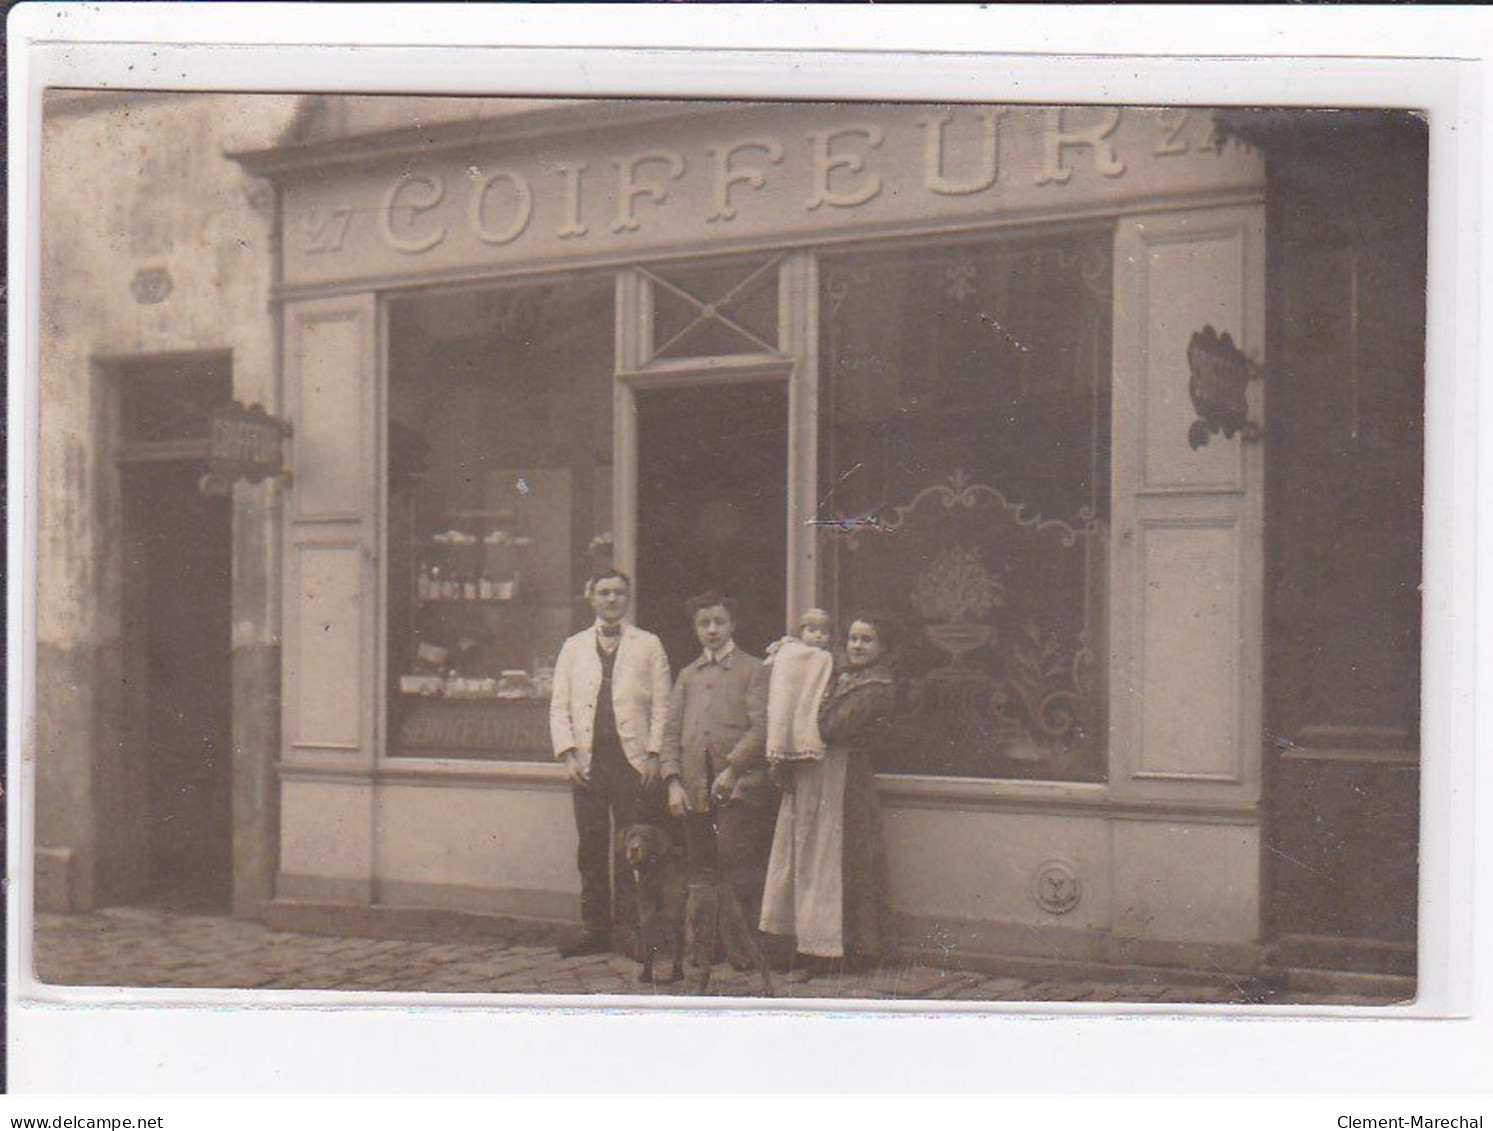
<point x="662" y="547"/>
<point x="660" y="538"/>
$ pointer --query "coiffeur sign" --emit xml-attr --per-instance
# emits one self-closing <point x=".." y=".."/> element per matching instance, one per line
<point x="450" y="203"/>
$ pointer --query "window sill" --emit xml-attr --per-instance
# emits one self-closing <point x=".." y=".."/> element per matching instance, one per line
<point x="544" y="772"/>
<point x="952" y="792"/>
<point x="1084" y="799"/>
<point x="1070" y="799"/>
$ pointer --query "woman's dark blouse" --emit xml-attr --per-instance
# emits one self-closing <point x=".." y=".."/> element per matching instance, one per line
<point x="856" y="711"/>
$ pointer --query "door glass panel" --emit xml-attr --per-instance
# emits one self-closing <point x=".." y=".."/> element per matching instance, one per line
<point x="716" y="309"/>
<point x="712" y="509"/>
<point x="172" y="398"/>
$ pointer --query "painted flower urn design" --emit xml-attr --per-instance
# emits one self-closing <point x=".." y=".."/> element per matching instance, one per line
<point x="955" y="596"/>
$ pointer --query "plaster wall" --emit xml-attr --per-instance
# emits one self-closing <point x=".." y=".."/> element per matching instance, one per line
<point x="132" y="184"/>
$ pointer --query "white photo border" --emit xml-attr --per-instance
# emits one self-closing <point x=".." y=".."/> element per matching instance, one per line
<point x="61" y="1038"/>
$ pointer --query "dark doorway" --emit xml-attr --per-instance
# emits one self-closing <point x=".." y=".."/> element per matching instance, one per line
<point x="712" y="509"/>
<point x="177" y="549"/>
<point x="184" y="538"/>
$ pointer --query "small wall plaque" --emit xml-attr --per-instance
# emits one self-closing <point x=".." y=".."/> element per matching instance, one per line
<point x="151" y="285"/>
<point x="1056" y="887"/>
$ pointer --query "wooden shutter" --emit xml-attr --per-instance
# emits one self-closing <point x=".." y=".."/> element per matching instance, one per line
<point x="1186" y="571"/>
<point x="331" y="587"/>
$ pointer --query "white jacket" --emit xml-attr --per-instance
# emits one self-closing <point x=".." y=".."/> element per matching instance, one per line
<point x="640" y="694"/>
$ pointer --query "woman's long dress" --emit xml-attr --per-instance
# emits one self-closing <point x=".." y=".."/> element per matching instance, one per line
<point x="826" y="878"/>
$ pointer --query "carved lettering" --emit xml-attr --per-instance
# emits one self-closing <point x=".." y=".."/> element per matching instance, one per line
<point x="826" y="162"/>
<point x="523" y="207"/>
<point x="726" y="176"/>
<point x="966" y="151"/>
<point x="572" y="228"/>
<point x="1057" y="138"/>
<point x="629" y="188"/>
<point x="326" y="230"/>
<point x="1174" y="122"/>
<point x="985" y="173"/>
<point x="412" y="196"/>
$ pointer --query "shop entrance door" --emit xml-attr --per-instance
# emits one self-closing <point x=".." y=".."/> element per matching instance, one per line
<point x="177" y="551"/>
<point x="712" y="508"/>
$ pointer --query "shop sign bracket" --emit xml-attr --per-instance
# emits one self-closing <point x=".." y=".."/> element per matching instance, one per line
<point x="244" y="442"/>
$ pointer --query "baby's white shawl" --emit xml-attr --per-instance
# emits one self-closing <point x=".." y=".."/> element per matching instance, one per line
<point x="800" y="676"/>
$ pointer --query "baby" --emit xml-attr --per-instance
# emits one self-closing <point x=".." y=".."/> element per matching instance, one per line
<point x="816" y="629"/>
<point x="800" y="672"/>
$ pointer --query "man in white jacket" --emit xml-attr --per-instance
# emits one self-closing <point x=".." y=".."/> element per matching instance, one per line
<point x="607" y="716"/>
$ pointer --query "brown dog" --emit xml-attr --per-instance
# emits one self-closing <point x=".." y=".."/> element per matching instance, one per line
<point x="715" y="923"/>
<point x="659" y="875"/>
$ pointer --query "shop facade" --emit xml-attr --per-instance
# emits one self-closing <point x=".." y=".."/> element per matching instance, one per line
<point x="930" y="359"/>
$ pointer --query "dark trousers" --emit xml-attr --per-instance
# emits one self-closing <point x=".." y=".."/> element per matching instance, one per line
<point x="615" y="797"/>
<point x="734" y="841"/>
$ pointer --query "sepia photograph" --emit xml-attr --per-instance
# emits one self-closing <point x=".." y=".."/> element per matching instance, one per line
<point x="775" y="552"/>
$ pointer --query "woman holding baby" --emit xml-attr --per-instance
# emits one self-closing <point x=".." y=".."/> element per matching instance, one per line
<point x="826" y="878"/>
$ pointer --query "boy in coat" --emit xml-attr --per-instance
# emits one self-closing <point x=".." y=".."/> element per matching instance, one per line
<point x="714" y="761"/>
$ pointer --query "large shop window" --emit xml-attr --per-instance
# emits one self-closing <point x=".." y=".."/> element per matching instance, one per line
<point x="500" y="486"/>
<point x="965" y="416"/>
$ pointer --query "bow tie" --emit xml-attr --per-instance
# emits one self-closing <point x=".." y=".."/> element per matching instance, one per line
<point x="610" y="631"/>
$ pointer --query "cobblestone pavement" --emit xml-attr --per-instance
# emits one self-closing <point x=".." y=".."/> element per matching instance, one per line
<point x="146" y="947"/>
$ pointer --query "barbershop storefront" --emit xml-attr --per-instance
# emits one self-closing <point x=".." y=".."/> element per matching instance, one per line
<point x="929" y="359"/>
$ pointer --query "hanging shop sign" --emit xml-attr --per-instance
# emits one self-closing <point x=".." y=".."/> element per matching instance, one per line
<point x="1218" y="385"/>
<point x="244" y="442"/>
<point x="753" y="176"/>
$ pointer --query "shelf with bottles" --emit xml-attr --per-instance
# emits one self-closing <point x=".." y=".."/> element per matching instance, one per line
<point x="457" y="566"/>
<point x="468" y="675"/>
<point x="484" y="591"/>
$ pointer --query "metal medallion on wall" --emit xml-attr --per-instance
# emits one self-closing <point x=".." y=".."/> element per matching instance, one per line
<point x="1056" y="887"/>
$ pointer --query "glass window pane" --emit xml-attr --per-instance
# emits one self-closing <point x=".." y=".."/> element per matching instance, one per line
<point x="715" y="310"/>
<point x="500" y="434"/>
<point x="965" y="445"/>
<point x="171" y="398"/>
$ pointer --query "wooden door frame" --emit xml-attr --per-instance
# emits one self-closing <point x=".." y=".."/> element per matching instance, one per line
<point x="796" y="363"/>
